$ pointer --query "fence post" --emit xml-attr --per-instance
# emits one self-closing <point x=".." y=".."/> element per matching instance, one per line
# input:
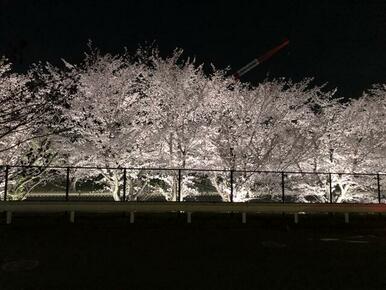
<point x="6" y="182"/>
<point x="179" y="186"/>
<point x="124" y="184"/>
<point x="67" y="183"/>
<point x="231" y="197"/>
<point x="379" y="188"/>
<point x="282" y="188"/>
<point x="330" y="186"/>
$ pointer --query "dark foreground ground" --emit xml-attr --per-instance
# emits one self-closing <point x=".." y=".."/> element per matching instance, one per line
<point x="214" y="252"/>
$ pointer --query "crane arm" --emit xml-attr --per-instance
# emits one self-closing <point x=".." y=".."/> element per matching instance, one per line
<point x="242" y="71"/>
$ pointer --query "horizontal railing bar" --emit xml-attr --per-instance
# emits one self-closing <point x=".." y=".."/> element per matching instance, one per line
<point x="17" y="206"/>
<point x="197" y="170"/>
<point x="307" y="172"/>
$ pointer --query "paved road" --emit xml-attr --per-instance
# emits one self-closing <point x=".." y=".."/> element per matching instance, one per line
<point x="214" y="252"/>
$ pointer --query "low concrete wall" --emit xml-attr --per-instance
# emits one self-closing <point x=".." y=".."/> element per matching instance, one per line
<point x="25" y="206"/>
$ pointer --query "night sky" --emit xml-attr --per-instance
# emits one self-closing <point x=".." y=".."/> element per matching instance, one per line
<point x="339" y="42"/>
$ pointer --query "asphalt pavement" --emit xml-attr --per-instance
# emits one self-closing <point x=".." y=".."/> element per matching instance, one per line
<point x="162" y="251"/>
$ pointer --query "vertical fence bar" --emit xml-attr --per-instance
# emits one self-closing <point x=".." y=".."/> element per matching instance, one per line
<point x="379" y="188"/>
<point x="67" y="183"/>
<point x="282" y="188"/>
<point x="6" y="182"/>
<point x="231" y="197"/>
<point x="124" y="184"/>
<point x="330" y="186"/>
<point x="179" y="186"/>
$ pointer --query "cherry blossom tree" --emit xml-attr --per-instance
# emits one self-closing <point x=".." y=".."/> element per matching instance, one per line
<point x="360" y="146"/>
<point x="107" y="122"/>
<point x="263" y="128"/>
<point x="351" y="140"/>
<point x="29" y="116"/>
<point x="120" y="111"/>
<point x="177" y="91"/>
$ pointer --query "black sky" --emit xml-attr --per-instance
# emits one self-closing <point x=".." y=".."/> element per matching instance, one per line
<point x="340" y="42"/>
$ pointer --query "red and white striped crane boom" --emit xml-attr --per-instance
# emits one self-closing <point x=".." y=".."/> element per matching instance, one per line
<point x="260" y="59"/>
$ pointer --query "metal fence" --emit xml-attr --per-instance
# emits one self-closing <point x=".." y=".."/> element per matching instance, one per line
<point x="176" y="184"/>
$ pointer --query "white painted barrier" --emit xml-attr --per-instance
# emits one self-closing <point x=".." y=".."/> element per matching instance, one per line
<point x="296" y="218"/>
<point x="8" y="217"/>
<point x="189" y="207"/>
<point x="346" y="218"/>
<point x="72" y="217"/>
<point x="244" y="218"/>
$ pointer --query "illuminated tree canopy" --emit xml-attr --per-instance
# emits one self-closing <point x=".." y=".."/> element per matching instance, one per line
<point x="145" y="110"/>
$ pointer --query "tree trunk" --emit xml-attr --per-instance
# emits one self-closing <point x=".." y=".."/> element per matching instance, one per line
<point x="115" y="187"/>
<point x="343" y="192"/>
<point x="220" y="188"/>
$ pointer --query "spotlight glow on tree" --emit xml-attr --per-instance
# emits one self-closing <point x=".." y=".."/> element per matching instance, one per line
<point x="145" y="110"/>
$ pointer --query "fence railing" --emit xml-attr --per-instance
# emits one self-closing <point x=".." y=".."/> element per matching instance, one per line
<point x="182" y="184"/>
